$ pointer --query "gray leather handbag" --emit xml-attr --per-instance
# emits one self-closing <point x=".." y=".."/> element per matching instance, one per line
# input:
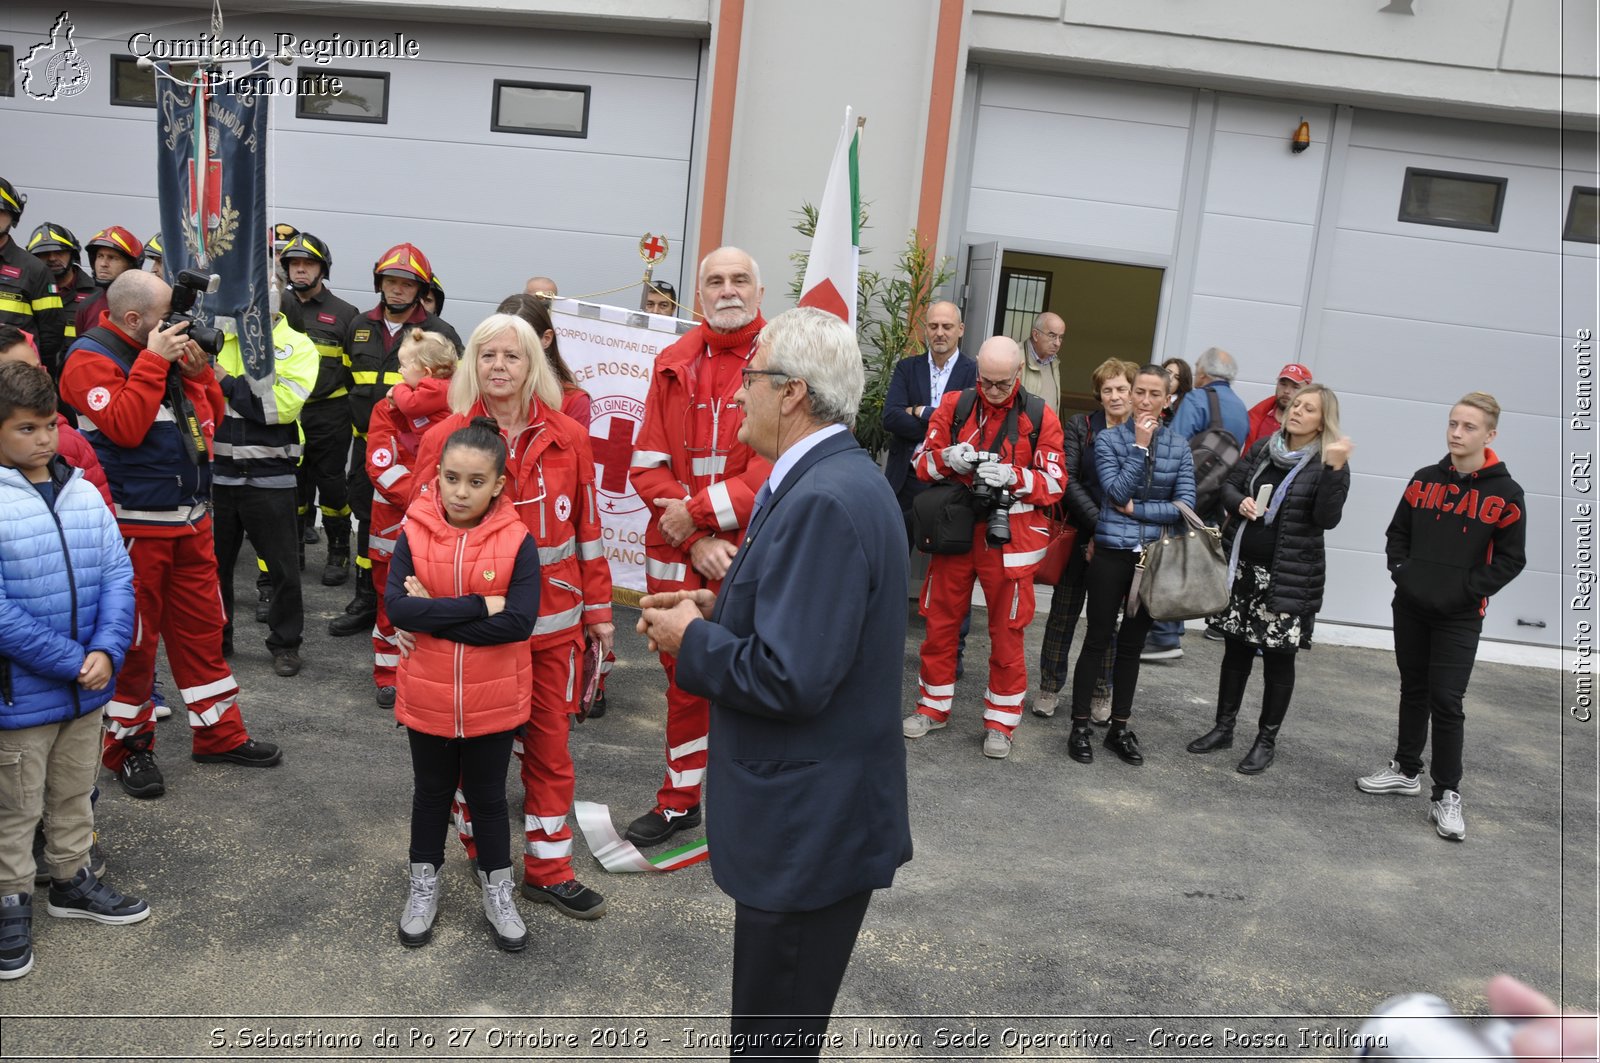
<point x="1182" y="575"/>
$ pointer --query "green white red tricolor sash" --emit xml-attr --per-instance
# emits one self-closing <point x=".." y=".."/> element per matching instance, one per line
<point x="835" y="258"/>
<point x="618" y="855"/>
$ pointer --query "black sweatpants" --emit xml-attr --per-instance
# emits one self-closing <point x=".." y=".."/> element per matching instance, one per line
<point x="478" y="765"/>
<point x="1109" y="577"/>
<point x="267" y="516"/>
<point x="1435" y="657"/>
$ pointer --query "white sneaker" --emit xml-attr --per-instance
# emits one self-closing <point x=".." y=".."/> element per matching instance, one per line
<point x="499" y="889"/>
<point x="1100" y="707"/>
<point x="1446" y="816"/>
<point x="1390" y="780"/>
<point x="916" y="725"/>
<point x="1044" y="703"/>
<point x="1171" y="653"/>
<point x="422" y="906"/>
<point x="996" y="746"/>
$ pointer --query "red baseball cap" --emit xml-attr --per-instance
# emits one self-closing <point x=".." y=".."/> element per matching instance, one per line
<point x="1296" y="372"/>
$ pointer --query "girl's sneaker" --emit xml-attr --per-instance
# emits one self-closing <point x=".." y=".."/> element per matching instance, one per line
<point x="500" y="907"/>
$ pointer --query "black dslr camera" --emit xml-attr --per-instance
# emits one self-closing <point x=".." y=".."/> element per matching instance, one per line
<point x="993" y="504"/>
<point x="185" y="290"/>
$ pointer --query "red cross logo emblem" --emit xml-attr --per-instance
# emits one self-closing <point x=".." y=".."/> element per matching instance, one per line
<point x="652" y="248"/>
<point x="616" y="420"/>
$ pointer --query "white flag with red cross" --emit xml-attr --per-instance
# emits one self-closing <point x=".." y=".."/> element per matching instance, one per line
<point x="831" y="270"/>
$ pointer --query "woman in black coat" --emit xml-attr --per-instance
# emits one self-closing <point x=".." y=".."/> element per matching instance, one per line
<point x="1277" y="562"/>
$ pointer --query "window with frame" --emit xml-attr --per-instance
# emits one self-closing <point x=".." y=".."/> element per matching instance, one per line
<point x="1456" y="200"/>
<point x="1583" y="216"/>
<point x="8" y="70"/>
<point x="133" y="87"/>
<point x="540" y="109"/>
<point x="363" y="95"/>
<point x="1024" y="295"/>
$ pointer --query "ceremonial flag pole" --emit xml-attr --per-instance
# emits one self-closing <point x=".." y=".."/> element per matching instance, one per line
<point x="835" y="259"/>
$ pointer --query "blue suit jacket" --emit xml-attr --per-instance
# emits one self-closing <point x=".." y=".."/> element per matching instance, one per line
<point x="909" y="387"/>
<point x="806" y="789"/>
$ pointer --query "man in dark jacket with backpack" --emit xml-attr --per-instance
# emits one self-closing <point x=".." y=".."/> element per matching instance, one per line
<point x="1216" y="423"/>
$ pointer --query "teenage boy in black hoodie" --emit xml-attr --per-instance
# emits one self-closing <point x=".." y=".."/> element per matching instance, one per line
<point x="1457" y="537"/>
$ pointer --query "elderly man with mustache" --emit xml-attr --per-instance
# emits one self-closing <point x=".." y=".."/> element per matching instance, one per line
<point x="701" y="482"/>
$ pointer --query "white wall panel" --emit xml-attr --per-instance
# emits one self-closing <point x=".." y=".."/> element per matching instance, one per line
<point x="1079" y="221"/>
<point x="1256" y="176"/>
<point x="1260" y="336"/>
<point x="1096" y="158"/>
<point x="1124" y="100"/>
<point x="1456" y="139"/>
<point x="1249" y="258"/>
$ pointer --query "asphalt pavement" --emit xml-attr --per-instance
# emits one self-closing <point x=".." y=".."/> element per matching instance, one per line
<point x="1052" y="911"/>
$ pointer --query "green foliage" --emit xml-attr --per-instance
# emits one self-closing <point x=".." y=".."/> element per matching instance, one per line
<point x="889" y="311"/>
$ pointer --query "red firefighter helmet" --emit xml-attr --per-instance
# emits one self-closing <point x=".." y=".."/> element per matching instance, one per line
<point x="117" y="239"/>
<point x="402" y="260"/>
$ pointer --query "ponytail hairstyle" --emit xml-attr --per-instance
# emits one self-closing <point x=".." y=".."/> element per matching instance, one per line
<point x="483" y="435"/>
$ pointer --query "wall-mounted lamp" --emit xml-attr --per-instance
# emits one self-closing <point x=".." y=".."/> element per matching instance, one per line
<point x="1302" y="137"/>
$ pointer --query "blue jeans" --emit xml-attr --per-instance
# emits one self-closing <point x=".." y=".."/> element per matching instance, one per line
<point x="1164" y="635"/>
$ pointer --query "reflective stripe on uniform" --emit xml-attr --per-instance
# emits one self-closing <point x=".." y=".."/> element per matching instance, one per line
<point x="190" y="695"/>
<point x="558" y="621"/>
<point x="1010" y="719"/>
<point x="691" y="777"/>
<point x="722" y="507"/>
<point x="549" y="555"/>
<point x="383" y="546"/>
<point x="673" y="571"/>
<point x="542" y="850"/>
<point x="649" y="459"/>
<point x="548" y="824"/>
<point x="214" y="713"/>
<point x="47" y="302"/>
<point x="14" y="304"/>
<point x="391" y="474"/>
<point x="364" y="376"/>
<point x="386" y="660"/>
<point x="590" y="550"/>
<point x="712" y="466"/>
<point x="1025" y="558"/>
<point x="698" y="745"/>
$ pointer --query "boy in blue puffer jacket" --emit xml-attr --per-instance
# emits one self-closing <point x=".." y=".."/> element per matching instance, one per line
<point x="66" y="618"/>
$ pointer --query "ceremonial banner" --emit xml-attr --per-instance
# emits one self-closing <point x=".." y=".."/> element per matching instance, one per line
<point x="211" y="178"/>
<point x="611" y="351"/>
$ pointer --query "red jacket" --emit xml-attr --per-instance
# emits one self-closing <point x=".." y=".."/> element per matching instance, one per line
<point x="449" y="688"/>
<point x="576" y="404"/>
<point x="688" y="447"/>
<point x="1040" y="476"/>
<point x="551" y="482"/>
<point x="1263" y="422"/>
<point x="398" y="423"/>
<point x="71" y="445"/>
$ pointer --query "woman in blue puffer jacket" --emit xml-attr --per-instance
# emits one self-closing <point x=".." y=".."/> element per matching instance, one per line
<point x="1144" y="468"/>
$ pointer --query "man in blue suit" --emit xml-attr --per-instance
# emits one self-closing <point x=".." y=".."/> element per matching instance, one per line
<point x="806" y="804"/>
<point x="914" y="393"/>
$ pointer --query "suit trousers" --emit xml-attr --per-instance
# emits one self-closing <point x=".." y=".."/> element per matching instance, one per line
<point x="1435" y="656"/>
<point x="787" y="969"/>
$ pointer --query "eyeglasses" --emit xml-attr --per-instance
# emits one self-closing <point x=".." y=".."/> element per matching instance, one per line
<point x="997" y="385"/>
<point x="746" y="374"/>
<point x="1048" y="335"/>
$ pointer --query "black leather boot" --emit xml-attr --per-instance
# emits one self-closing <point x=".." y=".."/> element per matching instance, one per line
<point x="1274" y="704"/>
<point x="337" y="570"/>
<point x="361" y="613"/>
<point x="1230" y="693"/>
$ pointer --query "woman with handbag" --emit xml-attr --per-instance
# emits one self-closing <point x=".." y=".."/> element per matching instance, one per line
<point x="1290" y="489"/>
<point x="1144" y="469"/>
<point x="1113" y="386"/>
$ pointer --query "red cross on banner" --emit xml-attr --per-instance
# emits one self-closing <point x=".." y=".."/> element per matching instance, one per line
<point x="613" y="452"/>
<point x="652" y="248"/>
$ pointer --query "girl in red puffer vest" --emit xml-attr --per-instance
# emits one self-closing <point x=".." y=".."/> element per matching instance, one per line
<point x="464" y="581"/>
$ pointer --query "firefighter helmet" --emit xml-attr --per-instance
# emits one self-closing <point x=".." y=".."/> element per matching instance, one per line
<point x="402" y="260"/>
<point x="152" y="247"/>
<point x="281" y="234"/>
<point x="304" y="245"/>
<point x="119" y="240"/>
<point x="11" y="200"/>
<point x="53" y="237"/>
<point x="438" y="292"/>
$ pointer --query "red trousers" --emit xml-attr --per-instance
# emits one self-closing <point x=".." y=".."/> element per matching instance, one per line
<point x="385" y="648"/>
<point x="945" y="598"/>
<point x="175" y="582"/>
<point x="547" y="772"/>
<point x="688" y="724"/>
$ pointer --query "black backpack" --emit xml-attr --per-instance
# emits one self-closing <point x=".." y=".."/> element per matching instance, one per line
<point x="1215" y="453"/>
<point x="942" y="518"/>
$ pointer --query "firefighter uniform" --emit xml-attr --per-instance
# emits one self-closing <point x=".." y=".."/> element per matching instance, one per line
<point x="688" y="448"/>
<point x="29" y="299"/>
<point x="326" y="418"/>
<point x="257" y="453"/>
<point x="75" y="286"/>
<point x="135" y="414"/>
<point x="1005" y="573"/>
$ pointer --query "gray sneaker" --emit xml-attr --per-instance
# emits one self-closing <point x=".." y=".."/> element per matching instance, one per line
<point x="1446" y="816"/>
<point x="1390" y="780"/>
<point x="1044" y="703"/>
<point x="1100" y="705"/>
<point x="916" y="725"/>
<point x="996" y="746"/>
<point x="500" y="907"/>
<point x="422" y="906"/>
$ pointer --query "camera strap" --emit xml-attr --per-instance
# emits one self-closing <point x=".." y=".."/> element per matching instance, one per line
<point x="194" y="436"/>
<point x="1035" y="405"/>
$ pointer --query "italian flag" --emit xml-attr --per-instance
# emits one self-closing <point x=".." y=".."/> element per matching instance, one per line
<point x="830" y="282"/>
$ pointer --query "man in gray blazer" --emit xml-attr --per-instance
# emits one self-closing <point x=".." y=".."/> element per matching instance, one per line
<point x="806" y="806"/>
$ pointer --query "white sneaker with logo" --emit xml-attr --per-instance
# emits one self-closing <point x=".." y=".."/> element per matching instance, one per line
<point x="1446" y="816"/>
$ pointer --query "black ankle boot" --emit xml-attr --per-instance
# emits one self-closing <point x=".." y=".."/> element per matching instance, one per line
<point x="1274" y="705"/>
<point x="1230" y="693"/>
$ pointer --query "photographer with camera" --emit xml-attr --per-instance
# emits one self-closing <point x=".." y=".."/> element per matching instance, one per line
<point x="1002" y="447"/>
<point x="150" y="407"/>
